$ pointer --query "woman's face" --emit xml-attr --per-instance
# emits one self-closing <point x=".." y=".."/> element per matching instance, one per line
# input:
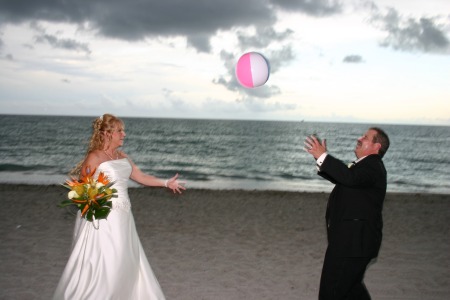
<point x="117" y="136"/>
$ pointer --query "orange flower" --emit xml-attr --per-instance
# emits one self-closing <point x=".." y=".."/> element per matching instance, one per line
<point x="85" y="210"/>
<point x="73" y="182"/>
<point x="102" y="178"/>
<point x="88" y="177"/>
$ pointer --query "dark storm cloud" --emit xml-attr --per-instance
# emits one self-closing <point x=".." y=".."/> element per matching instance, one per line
<point x="42" y="37"/>
<point x="133" y="20"/>
<point x="138" y="19"/>
<point x="197" y="21"/>
<point x="1" y="41"/>
<point x="410" y="34"/>
<point x="56" y="42"/>
<point x="280" y="58"/>
<point x="311" y="7"/>
<point x="353" y="59"/>
<point x="263" y="37"/>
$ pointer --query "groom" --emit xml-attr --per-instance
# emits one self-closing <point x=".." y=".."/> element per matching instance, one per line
<point x="353" y="218"/>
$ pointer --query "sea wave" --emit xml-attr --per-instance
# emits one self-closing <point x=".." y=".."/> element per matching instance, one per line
<point x="22" y="168"/>
<point x="222" y="154"/>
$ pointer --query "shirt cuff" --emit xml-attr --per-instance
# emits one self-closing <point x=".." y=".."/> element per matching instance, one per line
<point x="320" y="160"/>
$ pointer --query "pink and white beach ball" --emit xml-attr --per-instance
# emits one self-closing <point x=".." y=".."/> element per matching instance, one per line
<point x="252" y="70"/>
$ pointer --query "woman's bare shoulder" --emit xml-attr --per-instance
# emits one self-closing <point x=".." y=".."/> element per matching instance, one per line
<point x="93" y="160"/>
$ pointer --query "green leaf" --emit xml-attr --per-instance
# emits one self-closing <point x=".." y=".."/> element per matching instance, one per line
<point x="102" y="213"/>
<point x="89" y="215"/>
<point x="110" y="184"/>
<point x="65" y="203"/>
<point x="67" y="186"/>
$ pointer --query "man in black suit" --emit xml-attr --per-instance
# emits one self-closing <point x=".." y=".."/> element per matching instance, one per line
<point x="353" y="218"/>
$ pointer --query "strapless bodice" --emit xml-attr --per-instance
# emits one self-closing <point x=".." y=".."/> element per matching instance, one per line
<point x="118" y="171"/>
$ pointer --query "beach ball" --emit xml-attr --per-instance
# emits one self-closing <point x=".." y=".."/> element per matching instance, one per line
<point x="252" y="70"/>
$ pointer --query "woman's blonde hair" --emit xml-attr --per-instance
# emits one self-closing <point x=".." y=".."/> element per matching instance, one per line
<point x="106" y="123"/>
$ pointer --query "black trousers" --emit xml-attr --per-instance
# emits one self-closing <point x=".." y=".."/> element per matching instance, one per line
<point x="342" y="278"/>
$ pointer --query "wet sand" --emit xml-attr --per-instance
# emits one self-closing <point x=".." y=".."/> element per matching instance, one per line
<point x="230" y="244"/>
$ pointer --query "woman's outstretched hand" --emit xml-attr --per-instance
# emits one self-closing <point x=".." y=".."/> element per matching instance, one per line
<point x="175" y="185"/>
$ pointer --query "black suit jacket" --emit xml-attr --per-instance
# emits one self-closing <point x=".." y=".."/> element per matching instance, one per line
<point x="354" y="219"/>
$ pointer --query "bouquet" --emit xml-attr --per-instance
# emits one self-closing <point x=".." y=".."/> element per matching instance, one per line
<point x="92" y="196"/>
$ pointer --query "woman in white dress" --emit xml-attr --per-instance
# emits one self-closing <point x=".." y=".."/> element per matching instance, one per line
<point x="107" y="259"/>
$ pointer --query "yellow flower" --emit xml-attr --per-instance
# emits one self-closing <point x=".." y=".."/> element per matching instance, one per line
<point x="92" y="192"/>
<point x="79" y="189"/>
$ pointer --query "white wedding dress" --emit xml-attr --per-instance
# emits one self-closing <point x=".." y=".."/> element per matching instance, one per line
<point x="109" y="262"/>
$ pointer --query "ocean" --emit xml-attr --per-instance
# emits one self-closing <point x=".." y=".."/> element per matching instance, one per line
<point x="223" y="154"/>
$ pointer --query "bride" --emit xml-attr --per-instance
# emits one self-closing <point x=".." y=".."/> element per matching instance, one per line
<point x="107" y="260"/>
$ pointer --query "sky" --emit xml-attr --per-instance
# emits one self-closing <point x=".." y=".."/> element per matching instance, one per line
<point x="380" y="61"/>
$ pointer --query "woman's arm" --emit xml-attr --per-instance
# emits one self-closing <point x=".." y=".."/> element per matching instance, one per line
<point x="150" y="180"/>
<point x="90" y="164"/>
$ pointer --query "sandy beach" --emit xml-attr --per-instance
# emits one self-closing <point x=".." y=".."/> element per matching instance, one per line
<point x="231" y="244"/>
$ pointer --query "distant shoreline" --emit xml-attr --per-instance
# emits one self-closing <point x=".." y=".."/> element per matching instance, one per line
<point x="37" y="187"/>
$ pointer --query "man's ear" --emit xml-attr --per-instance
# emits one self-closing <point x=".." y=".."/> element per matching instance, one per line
<point x="377" y="147"/>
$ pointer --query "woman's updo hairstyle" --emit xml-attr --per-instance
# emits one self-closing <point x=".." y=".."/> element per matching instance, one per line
<point x="101" y="125"/>
<point x="104" y="124"/>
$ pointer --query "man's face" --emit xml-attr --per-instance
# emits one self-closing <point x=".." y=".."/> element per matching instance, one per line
<point x="365" y="146"/>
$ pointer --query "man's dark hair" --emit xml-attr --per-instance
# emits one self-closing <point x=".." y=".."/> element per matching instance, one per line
<point x="382" y="138"/>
